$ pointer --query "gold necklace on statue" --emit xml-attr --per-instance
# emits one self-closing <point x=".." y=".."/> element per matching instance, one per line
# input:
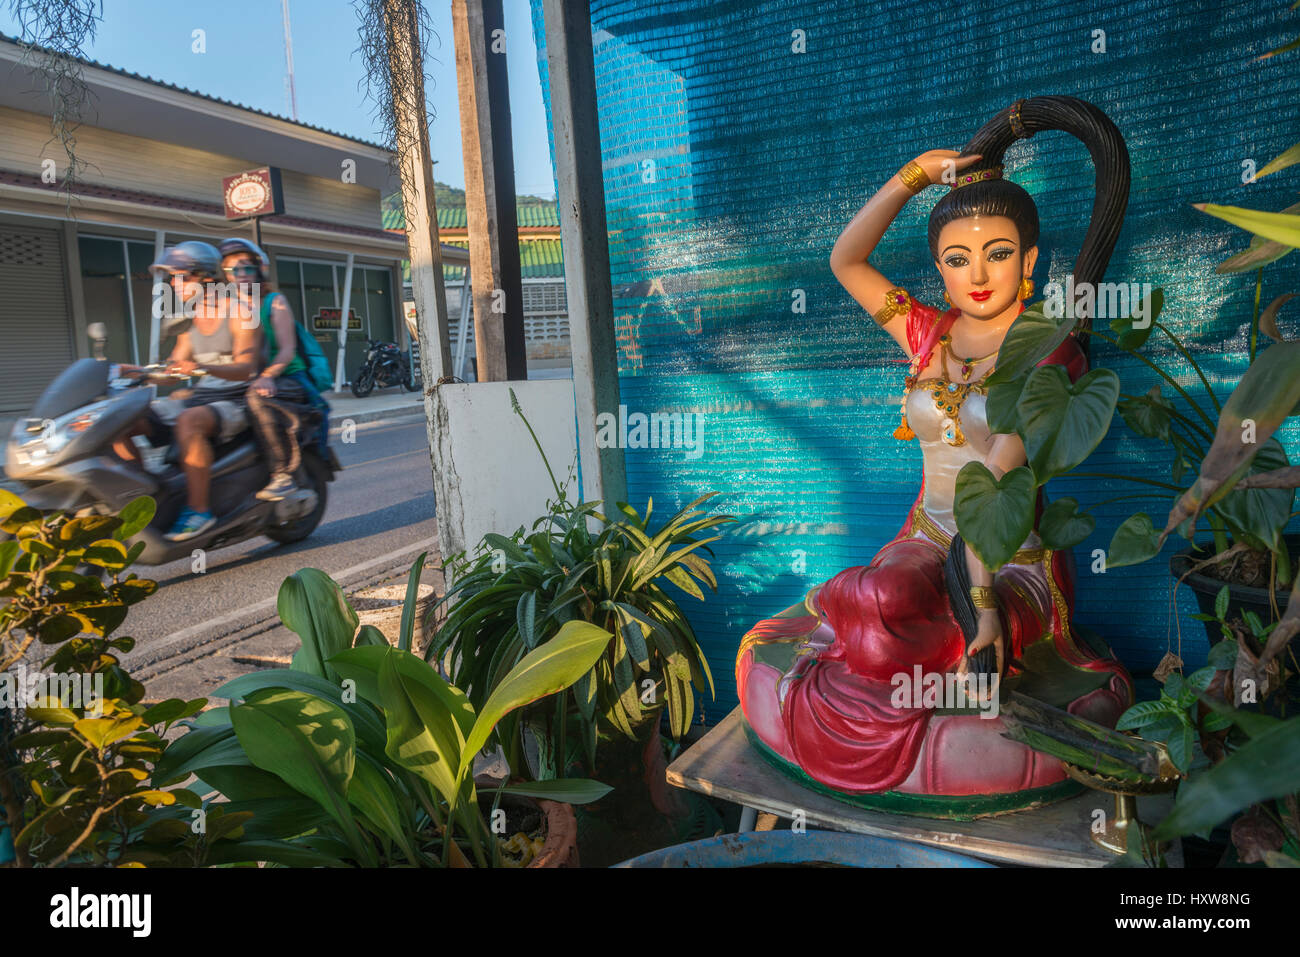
<point x="950" y="395"/>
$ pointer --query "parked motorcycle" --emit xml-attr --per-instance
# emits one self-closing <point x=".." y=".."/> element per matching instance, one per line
<point x="61" y="454"/>
<point x="385" y="365"/>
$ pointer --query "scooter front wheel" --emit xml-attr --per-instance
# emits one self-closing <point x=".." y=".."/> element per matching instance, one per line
<point x="364" y="383"/>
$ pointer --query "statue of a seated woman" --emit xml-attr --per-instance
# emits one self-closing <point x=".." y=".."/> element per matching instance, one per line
<point x="820" y="683"/>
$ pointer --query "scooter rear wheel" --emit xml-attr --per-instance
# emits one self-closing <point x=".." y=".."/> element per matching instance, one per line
<point x="314" y="474"/>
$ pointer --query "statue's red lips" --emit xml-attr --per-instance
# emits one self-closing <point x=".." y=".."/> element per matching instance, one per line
<point x="981" y="295"/>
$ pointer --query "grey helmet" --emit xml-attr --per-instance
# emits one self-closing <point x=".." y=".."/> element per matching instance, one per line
<point x="192" y="258"/>
<point x="235" y="244"/>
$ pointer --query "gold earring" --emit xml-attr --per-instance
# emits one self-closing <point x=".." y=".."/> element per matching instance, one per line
<point x="1026" y="289"/>
<point x="946" y="297"/>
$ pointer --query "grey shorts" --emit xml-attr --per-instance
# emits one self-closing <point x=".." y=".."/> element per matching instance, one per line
<point x="232" y="414"/>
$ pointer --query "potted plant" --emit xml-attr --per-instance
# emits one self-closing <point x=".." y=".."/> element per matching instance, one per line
<point x="360" y="753"/>
<point x="616" y="570"/>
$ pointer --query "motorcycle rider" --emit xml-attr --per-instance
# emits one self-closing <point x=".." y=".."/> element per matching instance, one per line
<point x="282" y="395"/>
<point x="227" y="350"/>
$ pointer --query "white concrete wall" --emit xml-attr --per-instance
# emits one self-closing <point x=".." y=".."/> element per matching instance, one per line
<point x="500" y="482"/>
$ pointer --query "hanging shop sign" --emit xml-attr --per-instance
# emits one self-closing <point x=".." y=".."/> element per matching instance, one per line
<point x="255" y="192"/>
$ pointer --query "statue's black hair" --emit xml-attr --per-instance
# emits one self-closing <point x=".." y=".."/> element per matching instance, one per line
<point x="1000" y="197"/>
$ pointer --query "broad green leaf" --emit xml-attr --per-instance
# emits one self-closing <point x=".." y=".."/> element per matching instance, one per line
<point x="1062" y="525"/>
<point x="409" y="605"/>
<point x="135" y="515"/>
<point x="1147" y="415"/>
<point x="1259" y="770"/>
<point x="1030" y="339"/>
<point x="994" y="516"/>
<point x="9" y="503"/>
<point x="526" y="617"/>
<point x="247" y="783"/>
<point x="307" y="742"/>
<point x="1280" y="227"/>
<point x="312" y="605"/>
<point x="1062" y="422"/>
<point x="1128" y="333"/>
<point x="545" y="670"/>
<point x="8" y="554"/>
<point x="1258" y="516"/>
<point x="422" y="735"/>
<point x="564" y="790"/>
<point x="1134" y="542"/>
<point x="1003" y="404"/>
<point x="1267" y="393"/>
<point x="371" y="792"/>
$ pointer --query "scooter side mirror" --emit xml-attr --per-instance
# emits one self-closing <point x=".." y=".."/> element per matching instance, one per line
<point x="98" y="333"/>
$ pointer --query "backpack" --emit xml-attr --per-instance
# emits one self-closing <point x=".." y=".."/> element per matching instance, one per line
<point x="309" y="350"/>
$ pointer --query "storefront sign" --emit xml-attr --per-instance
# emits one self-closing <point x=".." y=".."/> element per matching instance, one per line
<point x="253" y="193"/>
<point x="327" y="320"/>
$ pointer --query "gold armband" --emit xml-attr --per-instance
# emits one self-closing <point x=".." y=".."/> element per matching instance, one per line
<point x="913" y="177"/>
<point x="897" y="303"/>
<point x="983" y="596"/>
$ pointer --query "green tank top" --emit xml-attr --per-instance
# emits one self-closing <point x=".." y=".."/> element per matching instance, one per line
<point x="268" y="335"/>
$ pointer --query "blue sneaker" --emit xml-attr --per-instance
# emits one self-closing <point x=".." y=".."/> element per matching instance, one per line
<point x="190" y="523"/>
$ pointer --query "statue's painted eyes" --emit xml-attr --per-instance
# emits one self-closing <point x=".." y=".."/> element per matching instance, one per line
<point x="956" y="261"/>
<point x="1001" y="254"/>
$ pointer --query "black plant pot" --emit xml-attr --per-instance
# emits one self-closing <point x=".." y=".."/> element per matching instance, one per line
<point x="1241" y="598"/>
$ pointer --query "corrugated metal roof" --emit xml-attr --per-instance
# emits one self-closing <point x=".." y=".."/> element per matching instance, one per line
<point x="4" y="37"/>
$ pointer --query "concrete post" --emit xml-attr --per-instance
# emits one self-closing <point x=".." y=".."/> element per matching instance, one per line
<point x="586" y="245"/>
<point x="340" y="374"/>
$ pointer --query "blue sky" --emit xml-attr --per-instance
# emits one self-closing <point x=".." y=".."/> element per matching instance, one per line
<point x="245" y="63"/>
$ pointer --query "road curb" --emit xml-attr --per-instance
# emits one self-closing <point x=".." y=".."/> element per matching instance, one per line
<point x="375" y="415"/>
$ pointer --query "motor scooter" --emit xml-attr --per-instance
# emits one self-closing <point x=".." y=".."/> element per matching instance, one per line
<point x="62" y="455"/>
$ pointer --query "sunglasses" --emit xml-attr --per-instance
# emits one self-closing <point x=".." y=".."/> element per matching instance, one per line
<point x="243" y="270"/>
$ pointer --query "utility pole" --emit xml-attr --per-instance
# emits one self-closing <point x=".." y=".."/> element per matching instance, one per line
<point x="415" y="165"/>
<point x="288" y="59"/>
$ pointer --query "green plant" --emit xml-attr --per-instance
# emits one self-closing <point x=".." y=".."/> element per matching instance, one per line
<point x="581" y="564"/>
<point x="76" y="744"/>
<point x="360" y="753"/>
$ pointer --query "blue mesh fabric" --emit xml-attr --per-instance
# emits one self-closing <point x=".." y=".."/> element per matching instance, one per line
<point x="732" y="163"/>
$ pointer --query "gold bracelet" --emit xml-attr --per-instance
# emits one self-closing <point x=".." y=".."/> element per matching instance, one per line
<point x="983" y="596"/>
<point x="897" y="302"/>
<point x="913" y="177"/>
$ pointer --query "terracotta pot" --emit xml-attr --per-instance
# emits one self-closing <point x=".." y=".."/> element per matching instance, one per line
<point x="560" y="849"/>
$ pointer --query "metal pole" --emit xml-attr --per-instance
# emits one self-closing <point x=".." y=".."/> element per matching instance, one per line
<point x="155" y="324"/>
<point x="462" y="336"/>
<point x="343" y="323"/>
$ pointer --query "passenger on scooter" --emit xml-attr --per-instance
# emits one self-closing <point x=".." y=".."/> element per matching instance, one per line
<point x="282" y="397"/>
<point x="227" y="350"/>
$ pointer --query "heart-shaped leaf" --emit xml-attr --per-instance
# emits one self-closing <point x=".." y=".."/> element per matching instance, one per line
<point x="1062" y="525"/>
<point x="994" y="516"/>
<point x="1001" y="409"/>
<point x="1134" y="541"/>
<point x="1031" y="338"/>
<point x="1132" y="331"/>
<point x="1062" y="422"/>
<point x="1147" y="415"/>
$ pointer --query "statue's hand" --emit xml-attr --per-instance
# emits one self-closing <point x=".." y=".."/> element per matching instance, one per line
<point x="988" y="633"/>
<point x="937" y="162"/>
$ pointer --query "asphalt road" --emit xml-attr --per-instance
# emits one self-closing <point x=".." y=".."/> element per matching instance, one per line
<point x="378" y="519"/>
